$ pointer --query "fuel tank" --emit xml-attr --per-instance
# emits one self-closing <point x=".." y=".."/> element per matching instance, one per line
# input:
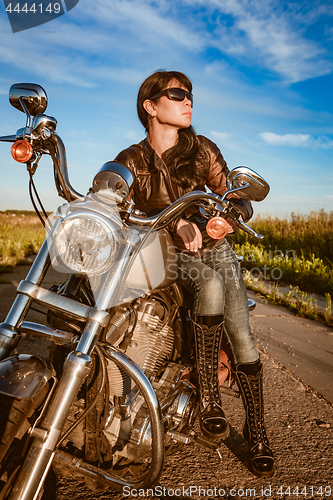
<point x="155" y="266"/>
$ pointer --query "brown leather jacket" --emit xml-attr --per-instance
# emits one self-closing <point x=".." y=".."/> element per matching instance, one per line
<point x="154" y="190"/>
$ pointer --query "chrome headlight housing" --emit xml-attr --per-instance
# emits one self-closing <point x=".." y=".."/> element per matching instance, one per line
<point x="84" y="243"/>
<point x="113" y="181"/>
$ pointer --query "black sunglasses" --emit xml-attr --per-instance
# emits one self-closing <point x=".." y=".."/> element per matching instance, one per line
<point x="175" y="94"/>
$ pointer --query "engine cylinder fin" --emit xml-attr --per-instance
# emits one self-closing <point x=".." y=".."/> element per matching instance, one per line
<point x="151" y="344"/>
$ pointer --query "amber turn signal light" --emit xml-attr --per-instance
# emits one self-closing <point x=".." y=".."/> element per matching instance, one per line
<point x="217" y="228"/>
<point x="21" y="151"/>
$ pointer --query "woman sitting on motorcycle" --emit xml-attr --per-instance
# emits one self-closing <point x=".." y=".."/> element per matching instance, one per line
<point x="170" y="162"/>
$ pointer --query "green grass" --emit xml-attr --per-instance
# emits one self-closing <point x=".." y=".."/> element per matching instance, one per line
<point x="310" y="274"/>
<point x="21" y="234"/>
<point x="296" y="251"/>
<point x="295" y="300"/>
<point x="306" y="235"/>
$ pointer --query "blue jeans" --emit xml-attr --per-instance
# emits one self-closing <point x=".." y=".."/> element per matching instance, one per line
<point x="218" y="287"/>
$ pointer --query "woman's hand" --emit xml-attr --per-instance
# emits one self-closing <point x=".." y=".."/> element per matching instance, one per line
<point x="190" y="234"/>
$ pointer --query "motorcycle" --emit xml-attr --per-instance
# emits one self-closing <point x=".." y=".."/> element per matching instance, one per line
<point x="116" y="394"/>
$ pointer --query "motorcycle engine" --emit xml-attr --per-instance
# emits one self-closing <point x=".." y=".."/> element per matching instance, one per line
<point x="150" y="345"/>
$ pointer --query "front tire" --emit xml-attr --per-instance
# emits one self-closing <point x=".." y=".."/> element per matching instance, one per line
<point x="16" y="417"/>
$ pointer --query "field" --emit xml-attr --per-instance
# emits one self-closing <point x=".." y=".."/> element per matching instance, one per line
<point x="296" y="251"/>
<point x="21" y="234"/>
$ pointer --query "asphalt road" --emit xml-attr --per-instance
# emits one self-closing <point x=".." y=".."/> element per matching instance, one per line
<point x="303" y="346"/>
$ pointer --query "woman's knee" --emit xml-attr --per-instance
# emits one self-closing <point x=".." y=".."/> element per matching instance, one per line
<point x="213" y="286"/>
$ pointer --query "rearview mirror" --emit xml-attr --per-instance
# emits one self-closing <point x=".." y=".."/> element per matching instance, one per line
<point x="33" y="95"/>
<point x="248" y="183"/>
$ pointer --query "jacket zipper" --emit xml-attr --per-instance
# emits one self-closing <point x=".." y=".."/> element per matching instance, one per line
<point x="170" y="183"/>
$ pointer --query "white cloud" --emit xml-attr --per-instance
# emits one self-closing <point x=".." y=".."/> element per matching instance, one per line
<point x="132" y="135"/>
<point x="221" y="136"/>
<point x="270" y="34"/>
<point x="225" y="140"/>
<point x="297" y="140"/>
<point x="286" y="139"/>
<point x="260" y="33"/>
<point x="101" y="41"/>
<point x="150" y="21"/>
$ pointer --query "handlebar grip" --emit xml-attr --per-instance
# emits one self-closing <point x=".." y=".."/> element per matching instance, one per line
<point x="8" y="138"/>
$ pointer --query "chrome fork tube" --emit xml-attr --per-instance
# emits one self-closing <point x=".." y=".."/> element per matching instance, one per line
<point x="8" y="330"/>
<point x="39" y="458"/>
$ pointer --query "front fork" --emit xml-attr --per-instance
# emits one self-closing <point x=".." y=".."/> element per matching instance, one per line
<point x="39" y="458"/>
<point x="76" y="368"/>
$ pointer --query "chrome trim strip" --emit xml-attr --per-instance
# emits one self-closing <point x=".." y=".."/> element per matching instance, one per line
<point x="59" y="337"/>
<point x="252" y="304"/>
<point x="55" y="302"/>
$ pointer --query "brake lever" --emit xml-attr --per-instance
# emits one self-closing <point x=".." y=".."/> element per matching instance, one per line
<point x="241" y="225"/>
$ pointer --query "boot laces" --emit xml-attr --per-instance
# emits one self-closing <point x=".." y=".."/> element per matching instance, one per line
<point x="252" y="385"/>
<point x="208" y="342"/>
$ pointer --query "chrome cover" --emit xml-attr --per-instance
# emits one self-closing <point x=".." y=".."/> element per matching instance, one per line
<point x="43" y="122"/>
<point x="115" y="177"/>
<point x="156" y="265"/>
<point x="34" y="96"/>
<point x="22" y="376"/>
<point x="256" y="187"/>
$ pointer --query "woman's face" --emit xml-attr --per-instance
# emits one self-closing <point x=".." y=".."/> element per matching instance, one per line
<point x="176" y="114"/>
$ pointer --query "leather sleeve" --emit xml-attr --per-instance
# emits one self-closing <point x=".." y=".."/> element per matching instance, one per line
<point x="217" y="180"/>
<point x="127" y="157"/>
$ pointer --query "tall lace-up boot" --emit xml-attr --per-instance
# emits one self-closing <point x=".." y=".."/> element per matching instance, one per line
<point x="208" y="335"/>
<point x="249" y="377"/>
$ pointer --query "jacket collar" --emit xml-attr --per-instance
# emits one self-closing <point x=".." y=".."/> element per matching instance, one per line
<point x="158" y="161"/>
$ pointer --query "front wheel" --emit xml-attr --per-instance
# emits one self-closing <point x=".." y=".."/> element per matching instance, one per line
<point x="16" y="418"/>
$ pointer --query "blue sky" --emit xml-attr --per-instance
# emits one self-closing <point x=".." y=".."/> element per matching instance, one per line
<point x="262" y="72"/>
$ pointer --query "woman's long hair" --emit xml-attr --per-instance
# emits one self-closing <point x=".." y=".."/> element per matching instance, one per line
<point x="188" y="161"/>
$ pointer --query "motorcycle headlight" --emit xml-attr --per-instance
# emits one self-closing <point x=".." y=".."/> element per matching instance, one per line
<point x="85" y="244"/>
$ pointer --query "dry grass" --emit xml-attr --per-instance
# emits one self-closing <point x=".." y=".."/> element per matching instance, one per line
<point x="21" y="234"/>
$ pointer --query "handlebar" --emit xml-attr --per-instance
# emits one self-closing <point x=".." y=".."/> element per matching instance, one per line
<point x="175" y="210"/>
<point x="56" y="148"/>
<point x="60" y="163"/>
